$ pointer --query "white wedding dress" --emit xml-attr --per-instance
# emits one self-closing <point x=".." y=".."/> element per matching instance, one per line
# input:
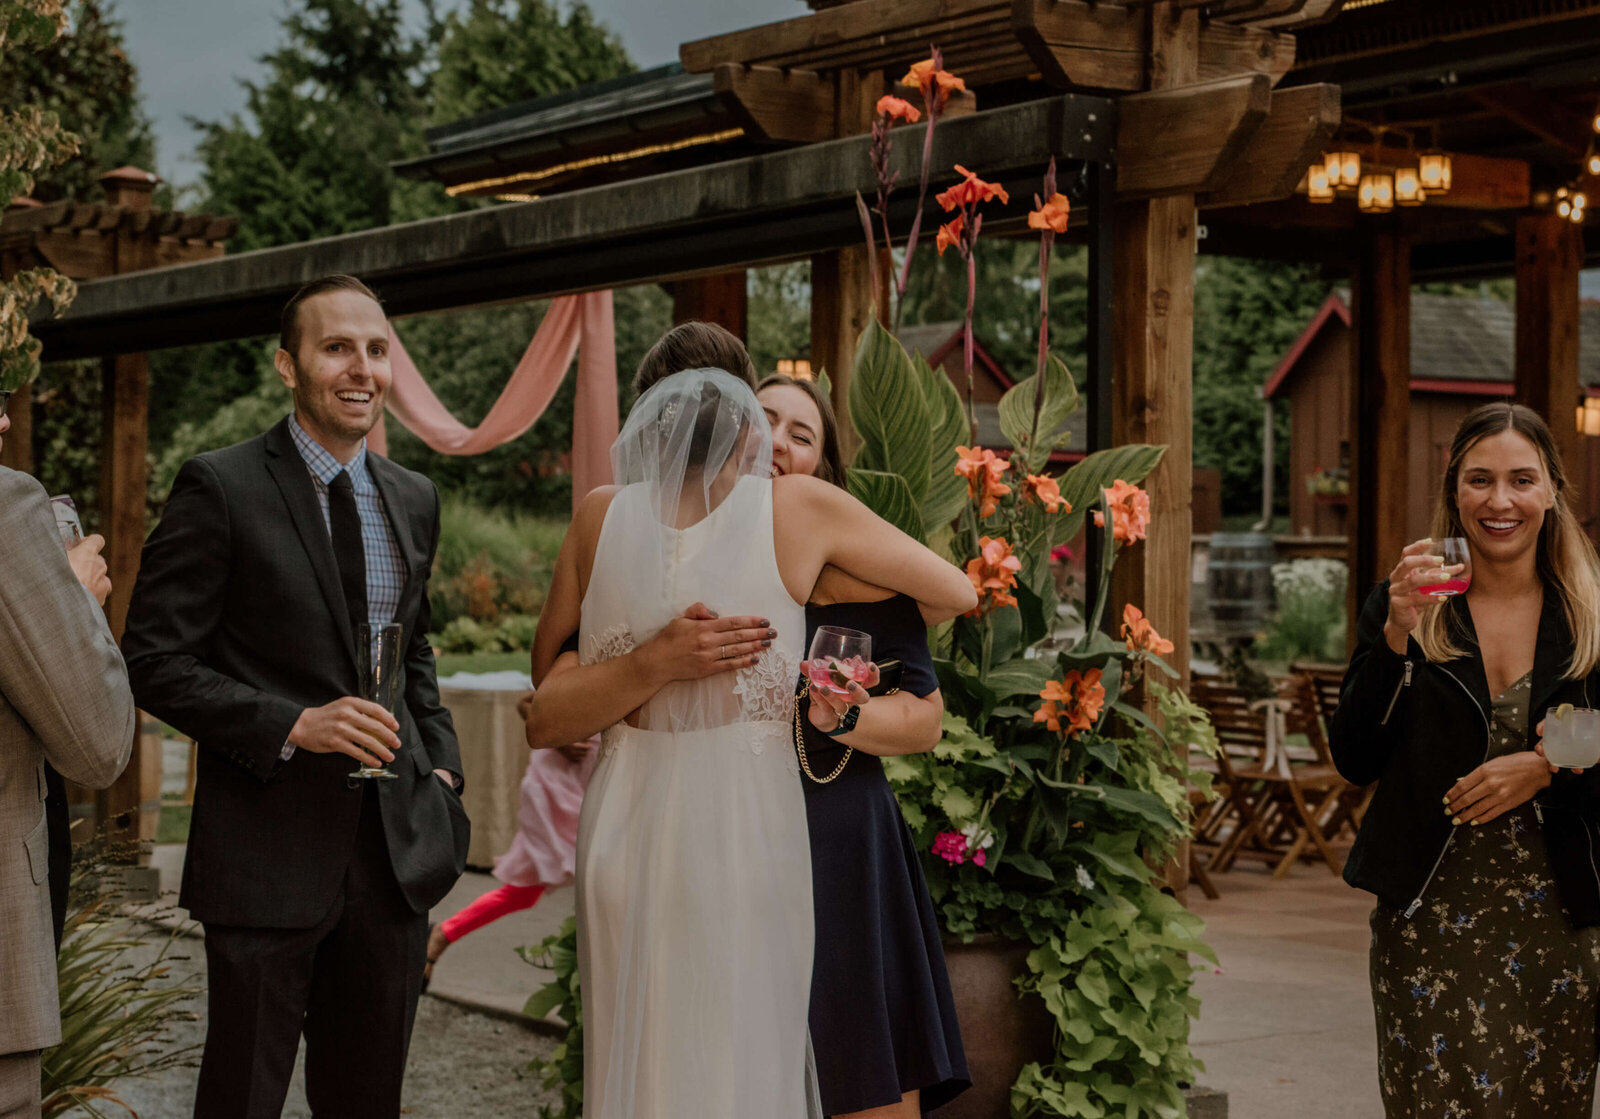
<point x="693" y="868"/>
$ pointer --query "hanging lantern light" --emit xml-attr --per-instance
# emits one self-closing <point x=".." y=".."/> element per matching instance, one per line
<point x="1344" y="169"/>
<point x="1318" y="188"/>
<point x="1563" y="202"/>
<point x="1594" y="165"/>
<point x="1589" y="416"/>
<point x="1375" y="195"/>
<point x="1408" y="187"/>
<point x="1580" y="201"/>
<point x="1434" y="172"/>
<point x="802" y="369"/>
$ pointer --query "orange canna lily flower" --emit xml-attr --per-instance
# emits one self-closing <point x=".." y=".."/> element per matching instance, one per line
<point x="1141" y="635"/>
<point x="971" y="191"/>
<point x="993" y="573"/>
<point x="1130" y="512"/>
<point x="1044" y="489"/>
<point x="1074" y="702"/>
<point x="950" y="233"/>
<point x="1051" y="214"/>
<point x="932" y="81"/>
<point x="896" y="108"/>
<point x="983" y="470"/>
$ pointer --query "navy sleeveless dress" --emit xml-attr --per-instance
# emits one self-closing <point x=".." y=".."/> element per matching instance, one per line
<point x="882" y="1019"/>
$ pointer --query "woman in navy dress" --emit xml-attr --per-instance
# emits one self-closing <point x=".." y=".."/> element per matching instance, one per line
<point x="883" y="1023"/>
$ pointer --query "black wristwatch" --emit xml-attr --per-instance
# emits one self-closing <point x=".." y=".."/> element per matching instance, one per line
<point x="847" y="722"/>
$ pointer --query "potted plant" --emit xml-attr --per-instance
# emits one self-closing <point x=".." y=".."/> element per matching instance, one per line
<point x="1062" y="777"/>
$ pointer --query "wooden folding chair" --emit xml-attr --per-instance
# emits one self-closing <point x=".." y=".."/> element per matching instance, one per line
<point x="1282" y="804"/>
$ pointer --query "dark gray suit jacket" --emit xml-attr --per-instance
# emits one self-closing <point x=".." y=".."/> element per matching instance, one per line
<point x="237" y="624"/>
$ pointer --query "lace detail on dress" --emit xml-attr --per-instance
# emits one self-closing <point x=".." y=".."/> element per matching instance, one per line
<point x="608" y="644"/>
<point x="766" y="689"/>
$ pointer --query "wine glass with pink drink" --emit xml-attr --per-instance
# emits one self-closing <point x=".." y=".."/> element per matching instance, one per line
<point x="1454" y="574"/>
<point x="839" y="657"/>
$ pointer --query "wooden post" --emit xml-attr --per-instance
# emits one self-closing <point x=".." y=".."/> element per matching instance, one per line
<point x="841" y="305"/>
<point x="1153" y="402"/>
<point x="1380" y="410"/>
<point x="721" y="298"/>
<point x="1549" y="255"/>
<point x="124" y="481"/>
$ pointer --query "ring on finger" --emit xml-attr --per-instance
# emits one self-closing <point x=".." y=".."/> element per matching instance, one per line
<point x="722" y="652"/>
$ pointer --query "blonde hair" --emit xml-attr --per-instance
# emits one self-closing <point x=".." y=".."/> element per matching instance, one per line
<point x="1566" y="559"/>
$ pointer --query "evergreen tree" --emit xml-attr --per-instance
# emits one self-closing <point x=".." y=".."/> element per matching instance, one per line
<point x="348" y="93"/>
<point x="1247" y="313"/>
<point x="85" y="78"/>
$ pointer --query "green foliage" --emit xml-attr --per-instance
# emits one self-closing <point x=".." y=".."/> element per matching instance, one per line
<point x="498" y="52"/>
<point x="1309" y="622"/>
<point x="32" y="140"/>
<point x="286" y="167"/>
<point x="85" y="79"/>
<point x="1019" y="420"/>
<point x="562" y="995"/>
<point x="1246" y="316"/>
<point x="1032" y="833"/>
<point x="490" y="565"/>
<point x="779" y="316"/>
<point x="1007" y="305"/>
<point x="464" y="634"/>
<point x="116" y="1017"/>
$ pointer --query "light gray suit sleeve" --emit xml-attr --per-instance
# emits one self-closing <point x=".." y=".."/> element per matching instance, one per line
<point x="59" y="666"/>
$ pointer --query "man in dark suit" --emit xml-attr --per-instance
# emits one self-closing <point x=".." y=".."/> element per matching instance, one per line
<point x="313" y="886"/>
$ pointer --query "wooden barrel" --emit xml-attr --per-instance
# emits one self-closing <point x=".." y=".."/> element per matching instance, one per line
<point x="1239" y="580"/>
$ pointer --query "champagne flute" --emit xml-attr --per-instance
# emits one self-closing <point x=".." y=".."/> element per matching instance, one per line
<point x="839" y="657"/>
<point x="1453" y="553"/>
<point x="378" y="651"/>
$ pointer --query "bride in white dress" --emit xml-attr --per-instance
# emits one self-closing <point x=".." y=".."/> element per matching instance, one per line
<point x="693" y="867"/>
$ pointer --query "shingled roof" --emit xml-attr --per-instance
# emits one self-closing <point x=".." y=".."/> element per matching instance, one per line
<point x="1454" y="338"/>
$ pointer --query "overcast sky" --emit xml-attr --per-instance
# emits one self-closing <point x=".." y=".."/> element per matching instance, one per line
<point x="191" y="53"/>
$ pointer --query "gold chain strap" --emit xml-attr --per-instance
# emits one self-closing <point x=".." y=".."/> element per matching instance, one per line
<point x="800" y="748"/>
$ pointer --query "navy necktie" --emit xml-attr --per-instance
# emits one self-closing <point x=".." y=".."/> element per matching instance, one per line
<point x="348" y="552"/>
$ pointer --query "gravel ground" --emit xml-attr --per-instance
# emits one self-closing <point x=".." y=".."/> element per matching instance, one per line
<point x="462" y="1064"/>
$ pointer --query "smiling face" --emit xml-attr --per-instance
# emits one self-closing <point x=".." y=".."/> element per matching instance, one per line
<point x="1503" y="491"/>
<point x="340" y="374"/>
<point x="797" y="432"/>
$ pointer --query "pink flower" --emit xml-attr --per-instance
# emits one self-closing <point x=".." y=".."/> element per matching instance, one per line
<point x="951" y="846"/>
<point x="1061" y="553"/>
<point x="980" y="858"/>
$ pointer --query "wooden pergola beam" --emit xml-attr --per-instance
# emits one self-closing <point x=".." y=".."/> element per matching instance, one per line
<point x="1184" y="140"/>
<point x="1299" y="122"/>
<point x="796" y="106"/>
<point x="1549" y="256"/>
<point x="1548" y="120"/>
<point x="777" y="206"/>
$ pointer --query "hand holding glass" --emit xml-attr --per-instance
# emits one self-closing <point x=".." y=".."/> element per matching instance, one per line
<point x="839" y="657"/>
<point x="1572" y="740"/>
<point x="1454" y="575"/>
<point x="378" y="657"/>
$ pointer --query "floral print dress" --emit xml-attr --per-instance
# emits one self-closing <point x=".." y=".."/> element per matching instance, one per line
<point x="1486" y="996"/>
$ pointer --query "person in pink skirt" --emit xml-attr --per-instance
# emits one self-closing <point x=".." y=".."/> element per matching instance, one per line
<point x="541" y="854"/>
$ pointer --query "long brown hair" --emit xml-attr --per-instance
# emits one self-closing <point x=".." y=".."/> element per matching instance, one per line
<point x="1566" y="559"/>
<point x="830" y="467"/>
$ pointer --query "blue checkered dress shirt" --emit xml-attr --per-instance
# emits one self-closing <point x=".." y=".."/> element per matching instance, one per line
<point x="386" y="570"/>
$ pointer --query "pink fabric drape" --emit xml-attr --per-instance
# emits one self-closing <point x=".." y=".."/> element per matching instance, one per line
<point x="581" y="324"/>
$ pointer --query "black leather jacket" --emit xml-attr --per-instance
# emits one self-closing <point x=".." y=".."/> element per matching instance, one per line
<point x="1416" y="727"/>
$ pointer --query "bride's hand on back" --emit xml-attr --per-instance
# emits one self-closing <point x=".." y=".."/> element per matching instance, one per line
<point x="698" y="644"/>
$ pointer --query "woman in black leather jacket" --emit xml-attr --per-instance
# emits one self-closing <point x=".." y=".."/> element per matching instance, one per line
<point x="1485" y="973"/>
